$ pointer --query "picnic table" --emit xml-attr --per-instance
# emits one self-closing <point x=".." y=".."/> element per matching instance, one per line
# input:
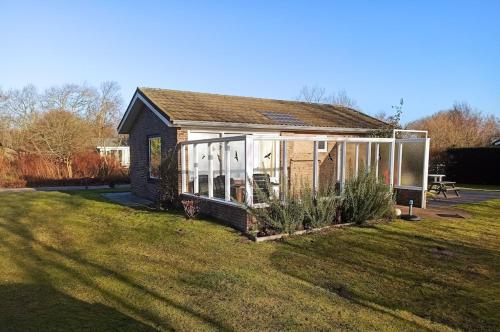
<point x="440" y="186"/>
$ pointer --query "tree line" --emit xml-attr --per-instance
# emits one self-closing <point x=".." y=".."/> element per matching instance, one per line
<point x="461" y="125"/>
<point x="61" y="121"/>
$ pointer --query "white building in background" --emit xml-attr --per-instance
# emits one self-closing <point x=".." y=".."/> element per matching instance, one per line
<point x="122" y="153"/>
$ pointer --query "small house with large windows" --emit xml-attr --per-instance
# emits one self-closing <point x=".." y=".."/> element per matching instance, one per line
<point x="227" y="145"/>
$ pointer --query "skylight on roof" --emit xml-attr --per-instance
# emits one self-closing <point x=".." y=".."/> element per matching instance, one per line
<point x="283" y="119"/>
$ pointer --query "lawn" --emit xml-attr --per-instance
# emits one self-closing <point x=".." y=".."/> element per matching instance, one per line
<point x="478" y="186"/>
<point x="72" y="261"/>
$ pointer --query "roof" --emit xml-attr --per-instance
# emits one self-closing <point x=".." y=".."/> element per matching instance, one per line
<point x="184" y="108"/>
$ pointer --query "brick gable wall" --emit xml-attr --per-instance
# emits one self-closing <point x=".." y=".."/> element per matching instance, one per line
<point x="147" y="125"/>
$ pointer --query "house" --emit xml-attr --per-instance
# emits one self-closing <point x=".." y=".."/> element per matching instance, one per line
<point x="116" y="148"/>
<point x="226" y="143"/>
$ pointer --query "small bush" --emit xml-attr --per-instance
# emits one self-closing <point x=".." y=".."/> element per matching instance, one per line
<point x="9" y="174"/>
<point x="320" y="210"/>
<point x="169" y="181"/>
<point x="365" y="198"/>
<point x="276" y="215"/>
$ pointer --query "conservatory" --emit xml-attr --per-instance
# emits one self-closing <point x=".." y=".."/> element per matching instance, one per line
<point x="225" y="171"/>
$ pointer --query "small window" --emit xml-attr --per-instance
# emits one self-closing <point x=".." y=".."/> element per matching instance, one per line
<point x="322" y="146"/>
<point x="154" y="157"/>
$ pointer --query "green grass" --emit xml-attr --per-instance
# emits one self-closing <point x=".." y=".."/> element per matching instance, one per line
<point x="71" y="261"/>
<point x="478" y="186"/>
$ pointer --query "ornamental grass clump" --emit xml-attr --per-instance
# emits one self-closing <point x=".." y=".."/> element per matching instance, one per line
<point x="365" y="198"/>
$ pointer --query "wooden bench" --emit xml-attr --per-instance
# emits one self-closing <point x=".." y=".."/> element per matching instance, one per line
<point x="443" y="187"/>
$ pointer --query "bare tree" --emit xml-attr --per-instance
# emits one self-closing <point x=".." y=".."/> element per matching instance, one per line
<point x="21" y="106"/>
<point x="105" y="112"/>
<point x="100" y="107"/>
<point x="382" y="116"/>
<point x="312" y="94"/>
<point x="72" y="98"/>
<point x="342" y="99"/>
<point x="59" y="123"/>
<point x="318" y="95"/>
<point x="58" y="135"/>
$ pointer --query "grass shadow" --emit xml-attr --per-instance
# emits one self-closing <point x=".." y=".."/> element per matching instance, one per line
<point x="37" y="307"/>
<point x="393" y="271"/>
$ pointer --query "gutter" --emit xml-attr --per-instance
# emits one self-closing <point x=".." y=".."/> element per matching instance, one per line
<point x="235" y="125"/>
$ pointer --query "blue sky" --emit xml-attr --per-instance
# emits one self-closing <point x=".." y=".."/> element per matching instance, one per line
<point x="431" y="53"/>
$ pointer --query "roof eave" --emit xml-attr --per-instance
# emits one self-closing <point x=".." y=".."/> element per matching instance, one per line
<point x="234" y="125"/>
<point x="134" y="107"/>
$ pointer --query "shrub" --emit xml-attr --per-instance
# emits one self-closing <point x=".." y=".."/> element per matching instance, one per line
<point x="274" y="214"/>
<point x="319" y="210"/>
<point x="169" y="178"/>
<point x="365" y="198"/>
<point x="9" y="174"/>
<point x="89" y="168"/>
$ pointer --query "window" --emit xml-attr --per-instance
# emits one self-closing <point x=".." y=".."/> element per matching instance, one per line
<point x="154" y="157"/>
<point x="322" y="146"/>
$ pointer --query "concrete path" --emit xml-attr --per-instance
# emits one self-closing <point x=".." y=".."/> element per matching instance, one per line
<point x="127" y="199"/>
<point x="466" y="196"/>
<point x="60" y="188"/>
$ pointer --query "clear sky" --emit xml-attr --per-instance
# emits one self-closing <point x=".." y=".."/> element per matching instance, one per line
<point x="431" y="53"/>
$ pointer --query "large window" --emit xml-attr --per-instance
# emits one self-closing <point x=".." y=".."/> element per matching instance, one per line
<point x="154" y="157"/>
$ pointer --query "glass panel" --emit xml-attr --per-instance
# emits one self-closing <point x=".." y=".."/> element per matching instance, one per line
<point x="188" y="171"/>
<point x="266" y="172"/>
<point x="190" y="168"/>
<point x="350" y="160"/>
<point x="154" y="157"/>
<point x="266" y="158"/>
<point x="219" y="174"/>
<point x="328" y="167"/>
<point x="362" y="157"/>
<point x="202" y="162"/>
<point x="203" y="169"/>
<point x="412" y="164"/>
<point x="374" y="157"/>
<point x="396" y="164"/>
<point x="237" y="172"/>
<point x="300" y="154"/>
<point x="384" y="162"/>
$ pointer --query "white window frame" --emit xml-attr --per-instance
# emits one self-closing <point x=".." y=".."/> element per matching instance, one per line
<point x="149" y="156"/>
<point x="325" y="149"/>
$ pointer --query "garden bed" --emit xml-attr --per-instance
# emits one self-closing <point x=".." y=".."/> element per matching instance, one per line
<point x="274" y="237"/>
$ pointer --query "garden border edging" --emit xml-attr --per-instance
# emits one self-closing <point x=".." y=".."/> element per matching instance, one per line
<point x="301" y="232"/>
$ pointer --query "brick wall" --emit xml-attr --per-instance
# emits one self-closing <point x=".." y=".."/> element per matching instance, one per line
<point x="146" y="125"/>
<point x="229" y="214"/>
<point x="300" y="162"/>
<point x="403" y="196"/>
